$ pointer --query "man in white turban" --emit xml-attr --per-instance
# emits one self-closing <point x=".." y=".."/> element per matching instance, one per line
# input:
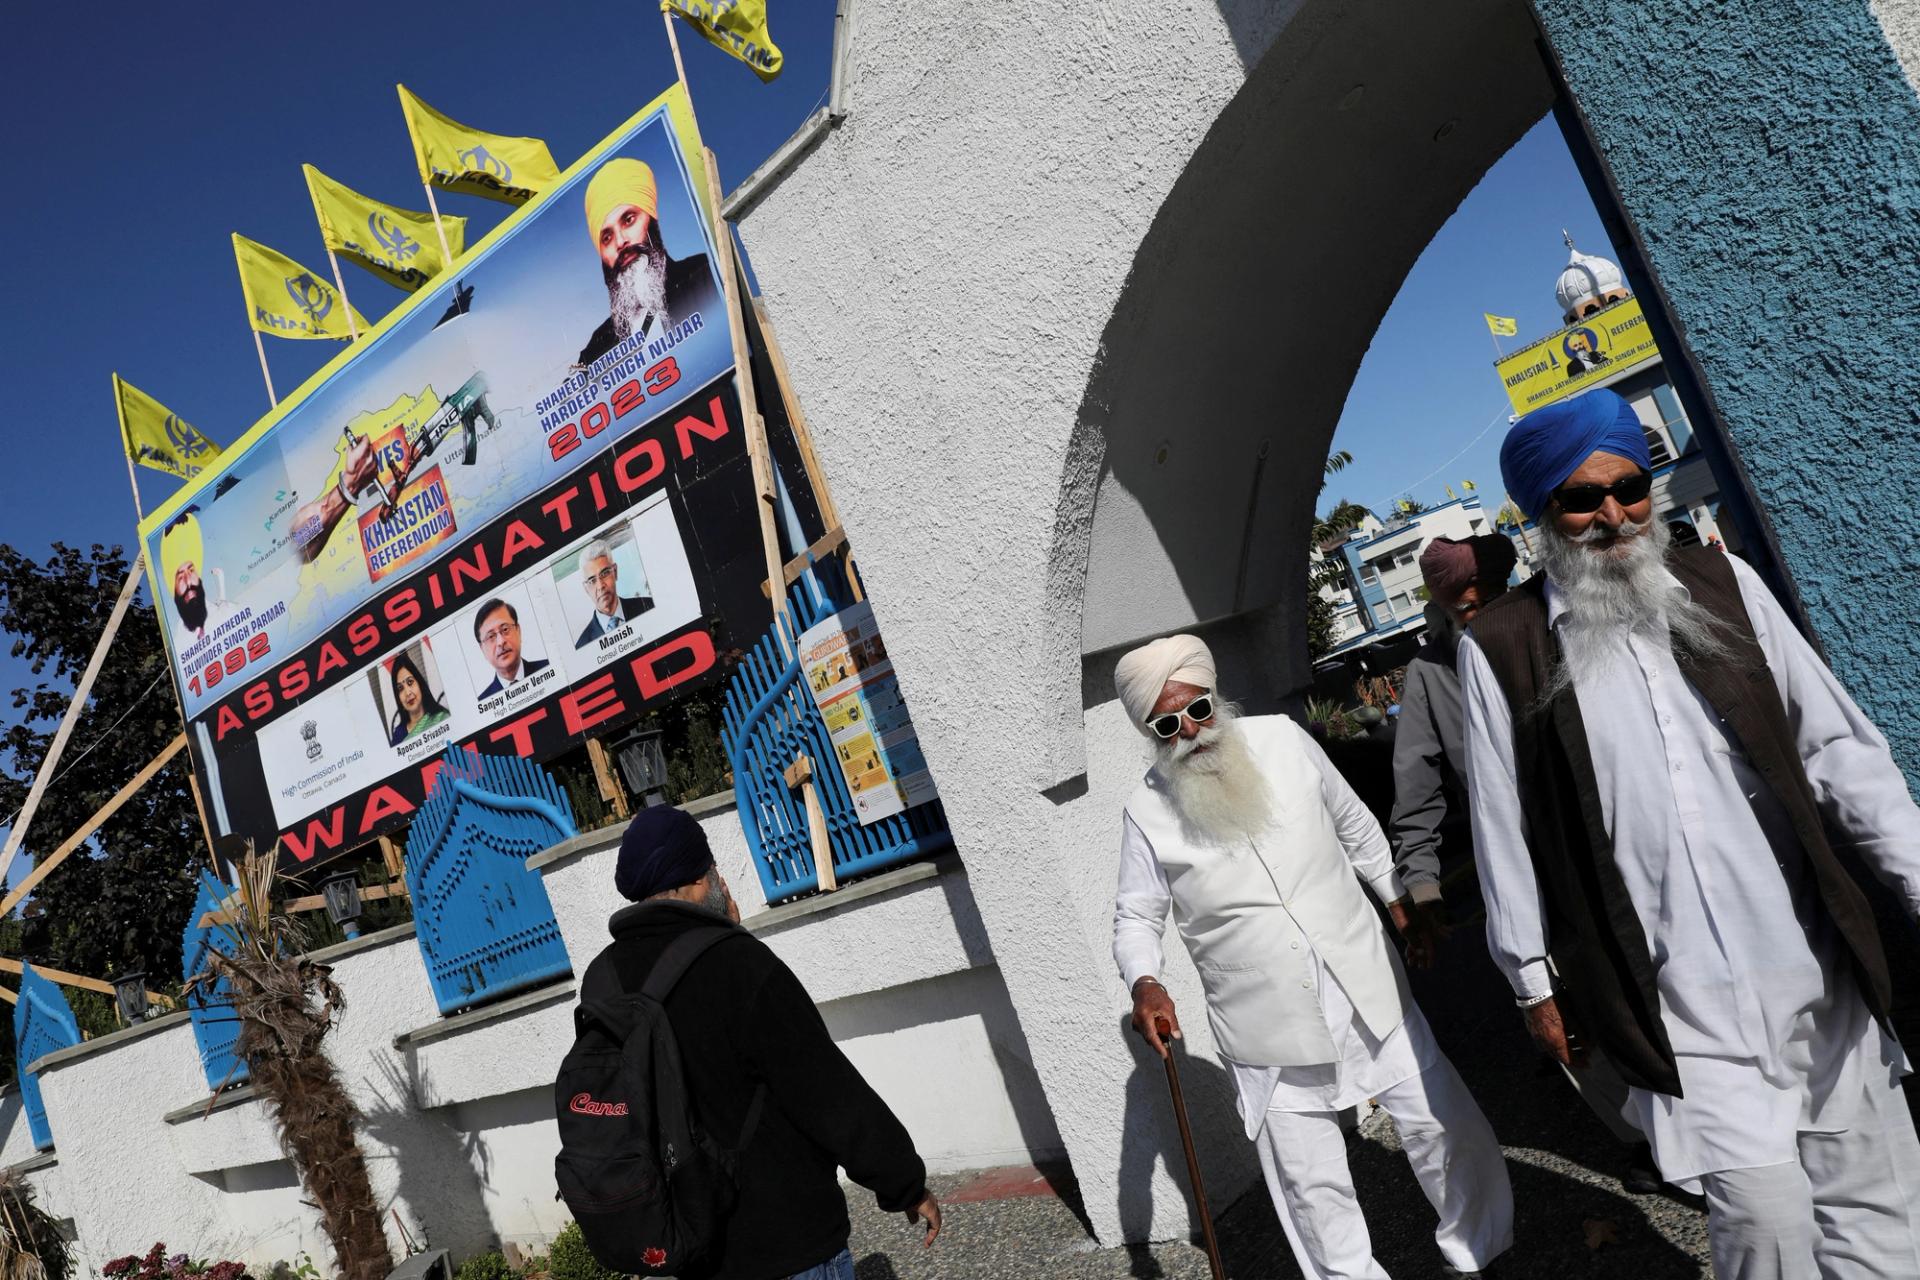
<point x="1245" y="829"/>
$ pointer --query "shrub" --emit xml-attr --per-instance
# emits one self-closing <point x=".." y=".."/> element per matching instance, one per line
<point x="158" y="1265"/>
<point x="491" y="1265"/>
<point x="570" y="1259"/>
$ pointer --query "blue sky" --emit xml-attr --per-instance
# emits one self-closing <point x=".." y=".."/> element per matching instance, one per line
<point x="1426" y="388"/>
<point x="153" y="133"/>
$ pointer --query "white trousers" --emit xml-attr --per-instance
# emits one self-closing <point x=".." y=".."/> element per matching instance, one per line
<point x="1847" y="1209"/>
<point x="1454" y="1155"/>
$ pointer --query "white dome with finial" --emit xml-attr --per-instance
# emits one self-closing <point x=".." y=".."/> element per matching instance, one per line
<point x="1587" y="284"/>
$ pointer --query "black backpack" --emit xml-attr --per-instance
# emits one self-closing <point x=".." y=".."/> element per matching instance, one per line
<point x="650" y="1190"/>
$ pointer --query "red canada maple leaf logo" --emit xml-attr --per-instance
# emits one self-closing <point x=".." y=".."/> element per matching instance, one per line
<point x="655" y="1257"/>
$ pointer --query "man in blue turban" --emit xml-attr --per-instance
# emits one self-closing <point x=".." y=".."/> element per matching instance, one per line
<point x="1663" y="777"/>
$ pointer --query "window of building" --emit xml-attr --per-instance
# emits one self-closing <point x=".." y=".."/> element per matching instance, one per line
<point x="1401" y="601"/>
<point x="1369" y="575"/>
<point x="1383" y="615"/>
<point x="1680" y="524"/>
<point x="1675" y="423"/>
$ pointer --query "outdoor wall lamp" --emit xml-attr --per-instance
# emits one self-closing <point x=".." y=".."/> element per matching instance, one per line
<point x="643" y="765"/>
<point x="342" y="892"/>
<point x="130" y="993"/>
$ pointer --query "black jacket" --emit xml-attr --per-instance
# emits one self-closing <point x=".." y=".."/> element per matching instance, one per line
<point x="1594" y="936"/>
<point x="631" y="607"/>
<point x="743" y="1020"/>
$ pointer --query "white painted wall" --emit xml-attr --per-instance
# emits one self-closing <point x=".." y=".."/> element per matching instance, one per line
<point x="458" y="1125"/>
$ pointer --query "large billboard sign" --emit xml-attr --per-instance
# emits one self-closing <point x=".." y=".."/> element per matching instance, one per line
<point x="1583" y="354"/>
<point x="518" y="512"/>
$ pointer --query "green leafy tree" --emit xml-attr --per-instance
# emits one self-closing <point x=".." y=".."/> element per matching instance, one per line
<point x="1328" y="573"/>
<point x="121" y="903"/>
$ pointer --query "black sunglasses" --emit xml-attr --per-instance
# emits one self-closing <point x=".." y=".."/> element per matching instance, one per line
<point x="1580" y="499"/>
<point x="1200" y="710"/>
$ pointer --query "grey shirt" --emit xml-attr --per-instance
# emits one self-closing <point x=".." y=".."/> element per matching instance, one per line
<point x="1429" y="760"/>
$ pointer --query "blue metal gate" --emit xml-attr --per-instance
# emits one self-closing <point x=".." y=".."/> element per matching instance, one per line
<point x="216" y="1028"/>
<point x="483" y="921"/>
<point x="42" y="1022"/>
<point x="771" y="719"/>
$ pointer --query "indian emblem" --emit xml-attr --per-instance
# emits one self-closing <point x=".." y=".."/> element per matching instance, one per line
<point x="310" y="296"/>
<point x="311" y="732"/>
<point x="392" y="237"/>
<point x="478" y="157"/>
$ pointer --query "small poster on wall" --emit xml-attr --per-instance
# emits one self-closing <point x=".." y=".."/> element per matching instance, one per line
<point x="873" y="737"/>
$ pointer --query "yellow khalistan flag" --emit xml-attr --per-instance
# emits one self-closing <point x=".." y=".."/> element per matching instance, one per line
<point x="450" y="155"/>
<point x="1502" y="326"/>
<point x="737" y="26"/>
<point x="157" y="437"/>
<point x="398" y="245"/>
<point x="287" y="300"/>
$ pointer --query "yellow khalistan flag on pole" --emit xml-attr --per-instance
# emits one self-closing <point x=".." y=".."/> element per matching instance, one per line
<point x="157" y="437"/>
<point x="1502" y="326"/>
<point x="398" y="245"/>
<point x="737" y="26"/>
<point x="287" y="300"/>
<point x="452" y="156"/>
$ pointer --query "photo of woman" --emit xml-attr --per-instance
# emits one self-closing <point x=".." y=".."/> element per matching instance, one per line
<point x="417" y="710"/>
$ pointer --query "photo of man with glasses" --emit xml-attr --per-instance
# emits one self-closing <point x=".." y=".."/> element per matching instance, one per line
<point x="496" y="628"/>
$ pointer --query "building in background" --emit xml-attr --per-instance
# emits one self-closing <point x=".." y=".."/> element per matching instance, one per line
<point x="1383" y="596"/>
<point x="1605" y="343"/>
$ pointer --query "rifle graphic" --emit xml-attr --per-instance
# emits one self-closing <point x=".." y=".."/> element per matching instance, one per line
<point x="465" y="407"/>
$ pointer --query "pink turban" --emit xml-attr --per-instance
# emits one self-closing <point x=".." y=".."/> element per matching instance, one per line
<point x="1142" y="675"/>
<point x="1450" y="566"/>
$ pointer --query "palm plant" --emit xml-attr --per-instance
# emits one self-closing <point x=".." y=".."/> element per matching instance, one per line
<point x="31" y="1247"/>
<point x="286" y="1004"/>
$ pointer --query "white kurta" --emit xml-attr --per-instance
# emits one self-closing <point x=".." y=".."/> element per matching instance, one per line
<point x="1364" y="1065"/>
<point x="1755" y="994"/>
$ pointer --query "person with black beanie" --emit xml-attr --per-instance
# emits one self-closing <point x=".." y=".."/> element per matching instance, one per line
<point x="744" y="1022"/>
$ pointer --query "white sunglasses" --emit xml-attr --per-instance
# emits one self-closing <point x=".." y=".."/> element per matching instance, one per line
<point x="1200" y="710"/>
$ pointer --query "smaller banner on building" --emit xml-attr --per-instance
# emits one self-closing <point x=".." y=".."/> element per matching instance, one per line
<point x="1566" y="363"/>
<point x="853" y="684"/>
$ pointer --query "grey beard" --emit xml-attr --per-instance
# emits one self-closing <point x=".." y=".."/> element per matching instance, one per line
<point x="1219" y="794"/>
<point x="1610" y="597"/>
<point x="637" y="292"/>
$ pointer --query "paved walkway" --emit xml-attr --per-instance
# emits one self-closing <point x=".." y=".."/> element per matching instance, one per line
<point x="1573" y="1221"/>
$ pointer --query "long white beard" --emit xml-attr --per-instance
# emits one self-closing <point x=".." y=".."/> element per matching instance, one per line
<point x="1219" y="792"/>
<point x="640" y="290"/>
<point x="1623" y="591"/>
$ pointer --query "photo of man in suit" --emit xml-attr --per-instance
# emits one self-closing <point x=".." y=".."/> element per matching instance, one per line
<point x="497" y="629"/>
<point x="600" y="576"/>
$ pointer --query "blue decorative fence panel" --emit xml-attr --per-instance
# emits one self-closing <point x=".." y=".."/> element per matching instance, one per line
<point x="771" y="719"/>
<point x="216" y="1030"/>
<point x="483" y="920"/>
<point x="42" y="1022"/>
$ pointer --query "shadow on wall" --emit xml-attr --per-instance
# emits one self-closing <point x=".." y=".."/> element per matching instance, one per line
<point x="970" y="1016"/>
<point x="438" y="1173"/>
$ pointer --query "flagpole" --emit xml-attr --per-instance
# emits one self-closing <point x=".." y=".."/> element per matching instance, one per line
<point x="1498" y="354"/>
<point x="346" y="302"/>
<point x="126" y="447"/>
<point x="446" y="251"/>
<point x="261" y="347"/>
<point x="680" y="68"/>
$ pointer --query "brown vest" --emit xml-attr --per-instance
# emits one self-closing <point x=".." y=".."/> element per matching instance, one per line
<point x="1593" y="933"/>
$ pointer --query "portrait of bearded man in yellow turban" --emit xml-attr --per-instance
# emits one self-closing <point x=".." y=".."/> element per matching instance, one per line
<point x="647" y="291"/>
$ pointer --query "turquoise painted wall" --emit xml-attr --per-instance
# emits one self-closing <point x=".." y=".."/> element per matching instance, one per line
<point x="1769" y="154"/>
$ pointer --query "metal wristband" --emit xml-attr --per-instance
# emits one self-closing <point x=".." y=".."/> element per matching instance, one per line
<point x="1147" y="978"/>
<point x="1532" y="1001"/>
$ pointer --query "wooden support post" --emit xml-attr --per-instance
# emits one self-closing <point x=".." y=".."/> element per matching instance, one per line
<point x="796" y="417"/>
<point x="755" y="426"/>
<point x="610" y="789"/>
<point x="45" y="866"/>
<point x="41" y="778"/>
<point x="396" y="864"/>
<point x="65" y="979"/>
<point x="799" y="775"/>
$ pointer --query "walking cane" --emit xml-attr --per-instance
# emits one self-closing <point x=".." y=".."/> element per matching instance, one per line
<point x="1162" y="1026"/>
